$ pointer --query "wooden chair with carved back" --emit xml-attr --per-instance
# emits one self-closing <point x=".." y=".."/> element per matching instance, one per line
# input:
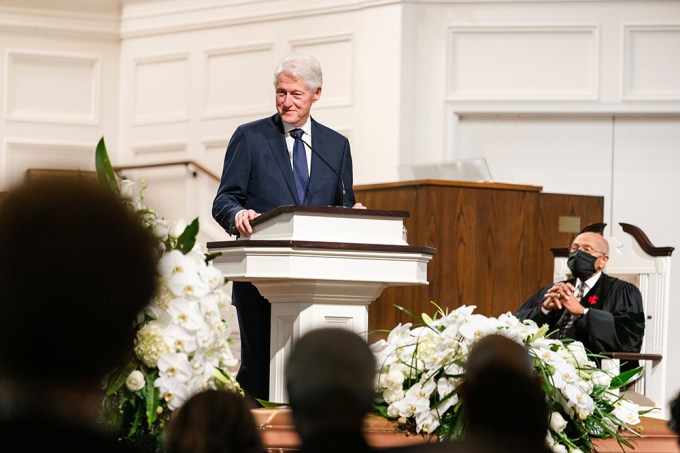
<point x="633" y="257"/>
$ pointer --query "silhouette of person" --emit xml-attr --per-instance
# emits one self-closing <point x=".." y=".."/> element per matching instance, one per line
<point x="329" y="377"/>
<point x="504" y="406"/>
<point x="76" y="268"/>
<point x="213" y="421"/>
<point x="500" y="383"/>
<point x="674" y="422"/>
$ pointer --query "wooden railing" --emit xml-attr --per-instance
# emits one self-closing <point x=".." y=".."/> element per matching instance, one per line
<point x="196" y="167"/>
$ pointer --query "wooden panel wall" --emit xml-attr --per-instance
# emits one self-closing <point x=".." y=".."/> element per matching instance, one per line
<point x="493" y="243"/>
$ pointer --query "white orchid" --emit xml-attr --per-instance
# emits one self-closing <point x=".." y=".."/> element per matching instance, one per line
<point x="187" y="314"/>
<point x="419" y="371"/>
<point x="627" y="412"/>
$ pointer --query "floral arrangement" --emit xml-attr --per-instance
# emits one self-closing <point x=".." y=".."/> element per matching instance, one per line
<point x="181" y="343"/>
<point x="420" y="368"/>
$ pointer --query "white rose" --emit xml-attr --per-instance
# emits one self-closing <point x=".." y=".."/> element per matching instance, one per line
<point x="557" y="422"/>
<point x="549" y="441"/>
<point x="559" y="448"/>
<point x="127" y="189"/>
<point x="601" y="378"/>
<point x="392" y="411"/>
<point x="160" y="229"/>
<point x="135" y="381"/>
<point x="178" y="228"/>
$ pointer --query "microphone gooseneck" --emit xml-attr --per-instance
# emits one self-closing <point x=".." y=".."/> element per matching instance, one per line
<point x="337" y="173"/>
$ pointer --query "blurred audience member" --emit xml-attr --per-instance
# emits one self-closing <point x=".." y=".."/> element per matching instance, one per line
<point x="329" y="378"/>
<point x="675" y="416"/>
<point x="504" y="405"/>
<point x="213" y="421"/>
<point x="76" y="267"/>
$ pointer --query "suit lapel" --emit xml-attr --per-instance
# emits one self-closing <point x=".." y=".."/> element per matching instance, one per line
<point x="277" y="144"/>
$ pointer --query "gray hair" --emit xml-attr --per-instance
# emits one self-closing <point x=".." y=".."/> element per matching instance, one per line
<point x="303" y="67"/>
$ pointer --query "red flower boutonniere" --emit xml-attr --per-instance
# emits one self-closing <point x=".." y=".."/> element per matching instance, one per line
<point x="592" y="300"/>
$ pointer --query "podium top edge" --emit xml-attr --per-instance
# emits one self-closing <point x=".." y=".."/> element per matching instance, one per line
<point x="332" y="210"/>
<point x="286" y="243"/>
<point x="447" y="183"/>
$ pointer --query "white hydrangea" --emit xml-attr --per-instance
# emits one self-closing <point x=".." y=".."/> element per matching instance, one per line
<point x="150" y="344"/>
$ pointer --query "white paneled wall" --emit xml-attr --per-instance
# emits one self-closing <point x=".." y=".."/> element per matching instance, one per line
<point x="575" y="96"/>
<point x="58" y="84"/>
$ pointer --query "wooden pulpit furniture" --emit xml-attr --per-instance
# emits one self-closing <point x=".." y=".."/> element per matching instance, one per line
<point x="320" y="267"/>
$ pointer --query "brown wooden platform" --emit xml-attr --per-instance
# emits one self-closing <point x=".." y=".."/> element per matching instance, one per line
<point x="658" y="438"/>
<point x="278" y="434"/>
<point x="493" y="242"/>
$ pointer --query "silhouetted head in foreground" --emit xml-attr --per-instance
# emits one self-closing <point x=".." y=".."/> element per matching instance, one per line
<point x="330" y="378"/>
<point x="675" y="416"/>
<point x="502" y="396"/>
<point x="76" y="268"/>
<point x="213" y="421"/>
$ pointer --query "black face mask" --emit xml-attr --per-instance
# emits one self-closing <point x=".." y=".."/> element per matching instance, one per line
<point x="582" y="265"/>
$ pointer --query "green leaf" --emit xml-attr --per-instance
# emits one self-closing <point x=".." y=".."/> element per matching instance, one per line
<point x="105" y="172"/>
<point x="152" y="400"/>
<point x="624" y="378"/>
<point x="382" y="410"/>
<point x="117" y="380"/>
<point x="187" y="240"/>
<point x="408" y="312"/>
<point x="211" y="256"/>
<point x="267" y="404"/>
<point x="594" y="428"/>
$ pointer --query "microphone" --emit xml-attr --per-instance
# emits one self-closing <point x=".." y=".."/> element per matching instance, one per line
<point x="337" y="173"/>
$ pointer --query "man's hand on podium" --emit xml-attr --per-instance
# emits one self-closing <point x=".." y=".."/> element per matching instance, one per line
<point x="242" y="222"/>
<point x="358" y="206"/>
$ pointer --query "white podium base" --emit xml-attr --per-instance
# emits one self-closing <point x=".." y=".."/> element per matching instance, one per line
<point x="290" y="321"/>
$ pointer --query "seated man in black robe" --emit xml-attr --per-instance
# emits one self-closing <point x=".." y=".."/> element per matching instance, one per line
<point x="602" y="312"/>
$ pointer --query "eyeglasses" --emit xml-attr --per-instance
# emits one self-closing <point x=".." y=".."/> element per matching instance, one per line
<point x="584" y="248"/>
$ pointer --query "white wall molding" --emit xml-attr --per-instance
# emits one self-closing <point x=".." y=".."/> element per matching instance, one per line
<point x="477" y="69"/>
<point x="580" y="108"/>
<point x="650" y="62"/>
<point x="19" y="154"/>
<point x="62" y="23"/>
<point x="160" y="147"/>
<point x="235" y="96"/>
<point x="338" y="72"/>
<point x="224" y="15"/>
<point x="34" y="93"/>
<point x="155" y="103"/>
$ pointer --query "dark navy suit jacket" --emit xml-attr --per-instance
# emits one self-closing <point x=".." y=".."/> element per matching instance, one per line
<point x="257" y="173"/>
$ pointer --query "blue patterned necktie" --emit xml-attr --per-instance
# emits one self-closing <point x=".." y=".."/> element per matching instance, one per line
<point x="300" y="171"/>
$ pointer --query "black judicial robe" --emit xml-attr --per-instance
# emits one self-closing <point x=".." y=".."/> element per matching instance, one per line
<point x="614" y="323"/>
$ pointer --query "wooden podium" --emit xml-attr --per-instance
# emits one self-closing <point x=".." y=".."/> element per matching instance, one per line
<point x="321" y="267"/>
<point x="493" y="242"/>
